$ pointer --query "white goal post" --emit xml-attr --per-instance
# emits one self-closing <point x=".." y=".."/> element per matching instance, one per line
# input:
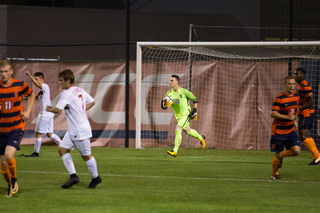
<point x="235" y="83"/>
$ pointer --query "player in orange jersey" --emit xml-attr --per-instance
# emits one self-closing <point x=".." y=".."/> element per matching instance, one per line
<point x="284" y="139"/>
<point x="12" y="121"/>
<point x="306" y="113"/>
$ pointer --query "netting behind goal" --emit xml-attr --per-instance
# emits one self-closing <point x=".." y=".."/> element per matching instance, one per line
<point x="235" y="84"/>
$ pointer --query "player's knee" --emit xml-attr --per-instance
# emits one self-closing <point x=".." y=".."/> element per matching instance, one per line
<point x="49" y="135"/>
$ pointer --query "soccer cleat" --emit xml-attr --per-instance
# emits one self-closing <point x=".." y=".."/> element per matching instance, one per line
<point x="73" y="180"/>
<point x="315" y="161"/>
<point x="203" y="142"/>
<point x="14" y="185"/>
<point x="8" y="193"/>
<point x="33" y="155"/>
<point x="94" y="183"/>
<point x="172" y="153"/>
<point x="275" y="177"/>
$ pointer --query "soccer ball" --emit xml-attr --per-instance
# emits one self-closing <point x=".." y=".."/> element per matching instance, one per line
<point x="169" y="100"/>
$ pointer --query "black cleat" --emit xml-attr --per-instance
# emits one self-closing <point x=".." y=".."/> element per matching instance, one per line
<point x="315" y="161"/>
<point x="8" y="193"/>
<point x="275" y="177"/>
<point x="33" y="155"/>
<point x="94" y="183"/>
<point x="14" y="185"/>
<point x="74" y="179"/>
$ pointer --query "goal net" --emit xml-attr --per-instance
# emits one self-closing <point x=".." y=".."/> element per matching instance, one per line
<point x="235" y="84"/>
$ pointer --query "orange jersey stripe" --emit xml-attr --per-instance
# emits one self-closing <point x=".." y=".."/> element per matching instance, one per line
<point x="285" y="105"/>
<point x="305" y="90"/>
<point x="12" y="106"/>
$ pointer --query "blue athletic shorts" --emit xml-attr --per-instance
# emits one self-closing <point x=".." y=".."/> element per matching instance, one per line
<point x="305" y="122"/>
<point x="12" y="138"/>
<point x="279" y="142"/>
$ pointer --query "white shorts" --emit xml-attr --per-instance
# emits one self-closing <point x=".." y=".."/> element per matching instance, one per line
<point x="44" y="125"/>
<point x="83" y="145"/>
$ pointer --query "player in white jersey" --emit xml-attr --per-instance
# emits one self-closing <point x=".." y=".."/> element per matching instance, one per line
<point x="45" y="119"/>
<point x="75" y="101"/>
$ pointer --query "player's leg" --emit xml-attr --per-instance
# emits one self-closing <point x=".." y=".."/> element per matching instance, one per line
<point x="305" y="124"/>
<point x="13" y="141"/>
<point x="177" y="141"/>
<point x="64" y="149"/>
<point x="276" y="146"/>
<point x="50" y="133"/>
<point x="195" y="134"/>
<point x="85" y="151"/>
<point x="37" y="145"/>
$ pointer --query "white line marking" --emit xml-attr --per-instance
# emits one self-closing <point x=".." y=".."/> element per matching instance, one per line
<point x="173" y="177"/>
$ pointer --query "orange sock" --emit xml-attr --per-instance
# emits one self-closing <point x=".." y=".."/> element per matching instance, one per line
<point x="275" y="166"/>
<point x="6" y="173"/>
<point x="311" y="146"/>
<point x="13" y="167"/>
<point x="287" y="153"/>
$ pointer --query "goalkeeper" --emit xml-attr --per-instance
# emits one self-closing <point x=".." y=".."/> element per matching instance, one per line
<point x="178" y="98"/>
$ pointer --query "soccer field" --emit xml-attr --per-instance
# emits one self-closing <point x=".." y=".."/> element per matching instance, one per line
<point x="150" y="180"/>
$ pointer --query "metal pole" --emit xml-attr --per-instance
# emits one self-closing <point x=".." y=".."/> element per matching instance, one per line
<point x="127" y="72"/>
<point x="190" y="73"/>
<point x="290" y="33"/>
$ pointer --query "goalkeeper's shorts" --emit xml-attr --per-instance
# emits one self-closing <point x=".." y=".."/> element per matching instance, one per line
<point x="183" y="121"/>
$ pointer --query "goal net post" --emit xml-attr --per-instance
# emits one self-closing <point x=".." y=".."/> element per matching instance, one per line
<point x="235" y="84"/>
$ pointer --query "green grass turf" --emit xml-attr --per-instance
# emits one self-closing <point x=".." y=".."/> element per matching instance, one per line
<point x="150" y="180"/>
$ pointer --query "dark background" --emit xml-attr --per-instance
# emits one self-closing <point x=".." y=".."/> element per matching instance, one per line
<point x="95" y="30"/>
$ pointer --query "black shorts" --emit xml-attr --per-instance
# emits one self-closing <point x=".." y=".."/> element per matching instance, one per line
<point x="279" y="142"/>
<point x="12" y="138"/>
<point x="305" y="122"/>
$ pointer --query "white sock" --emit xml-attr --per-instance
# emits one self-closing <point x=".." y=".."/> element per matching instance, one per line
<point x="56" y="139"/>
<point x="37" y="145"/>
<point x="68" y="163"/>
<point x="92" y="166"/>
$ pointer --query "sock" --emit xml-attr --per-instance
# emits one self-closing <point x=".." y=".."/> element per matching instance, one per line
<point x="56" y="139"/>
<point x="6" y="173"/>
<point x="311" y="146"/>
<point x="68" y="163"/>
<point x="275" y="166"/>
<point x="13" y="167"/>
<point x="92" y="166"/>
<point x="177" y="140"/>
<point x="37" y="145"/>
<point x="288" y="153"/>
<point x="195" y="134"/>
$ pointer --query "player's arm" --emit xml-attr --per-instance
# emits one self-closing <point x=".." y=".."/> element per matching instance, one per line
<point x="54" y="110"/>
<point x="88" y="106"/>
<point x="34" y="80"/>
<point x="31" y="100"/>
<point x="308" y="104"/>
<point x="277" y="115"/>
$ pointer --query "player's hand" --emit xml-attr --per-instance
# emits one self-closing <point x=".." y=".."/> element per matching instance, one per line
<point x="49" y="108"/>
<point x="25" y="115"/>
<point x="28" y="73"/>
<point x="291" y="117"/>
<point x="193" y="114"/>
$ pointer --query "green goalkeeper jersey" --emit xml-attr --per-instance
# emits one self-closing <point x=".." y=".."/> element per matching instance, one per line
<point x="181" y="105"/>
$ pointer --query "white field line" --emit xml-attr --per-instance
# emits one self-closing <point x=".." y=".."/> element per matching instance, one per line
<point x="173" y="177"/>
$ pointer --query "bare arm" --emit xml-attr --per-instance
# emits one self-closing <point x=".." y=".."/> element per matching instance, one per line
<point x="31" y="100"/>
<point x="275" y="114"/>
<point x="308" y="104"/>
<point x="34" y="80"/>
<point x="53" y="110"/>
<point x="88" y="106"/>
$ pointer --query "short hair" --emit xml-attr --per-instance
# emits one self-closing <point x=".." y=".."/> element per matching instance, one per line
<point x="287" y="78"/>
<point x="5" y="62"/>
<point x="67" y="74"/>
<point x="176" y="77"/>
<point x="39" y="74"/>
<point x="301" y="70"/>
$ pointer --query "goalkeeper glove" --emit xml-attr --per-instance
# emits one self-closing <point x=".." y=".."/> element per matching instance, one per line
<point x="193" y="114"/>
<point x="163" y="104"/>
